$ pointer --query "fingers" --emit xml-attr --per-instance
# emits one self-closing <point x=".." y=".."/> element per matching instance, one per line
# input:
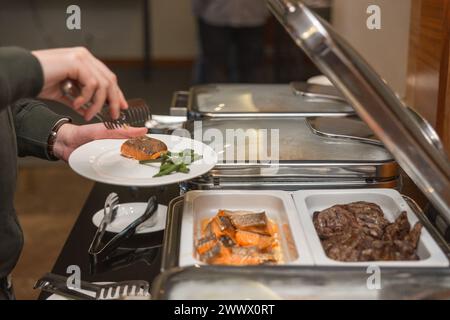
<point x="89" y="87"/>
<point x="115" y="96"/>
<point x="98" y="85"/>
<point x="123" y="102"/>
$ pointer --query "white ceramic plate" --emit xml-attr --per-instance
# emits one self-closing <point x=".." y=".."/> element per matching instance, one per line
<point x="101" y="161"/>
<point x="127" y="213"/>
<point x="321" y="80"/>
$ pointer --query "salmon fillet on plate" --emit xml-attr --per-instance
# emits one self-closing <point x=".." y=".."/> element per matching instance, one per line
<point x="143" y="148"/>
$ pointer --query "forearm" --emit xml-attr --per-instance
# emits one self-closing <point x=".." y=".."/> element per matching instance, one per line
<point x="21" y="75"/>
<point x="34" y="123"/>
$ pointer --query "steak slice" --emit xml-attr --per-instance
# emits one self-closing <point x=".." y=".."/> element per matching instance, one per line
<point x="370" y="217"/>
<point x="333" y="221"/>
<point x="397" y="230"/>
<point x="359" y="231"/>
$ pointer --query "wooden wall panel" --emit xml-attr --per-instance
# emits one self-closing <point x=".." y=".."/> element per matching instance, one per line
<point x="428" y="87"/>
<point x="443" y="113"/>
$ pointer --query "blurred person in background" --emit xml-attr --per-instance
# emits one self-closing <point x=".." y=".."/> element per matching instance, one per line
<point x="290" y="63"/>
<point x="29" y="128"/>
<point x="321" y="7"/>
<point x="231" y="40"/>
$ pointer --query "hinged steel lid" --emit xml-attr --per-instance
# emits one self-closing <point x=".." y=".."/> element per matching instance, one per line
<point x="409" y="140"/>
<point x="294" y="147"/>
<point x="259" y="101"/>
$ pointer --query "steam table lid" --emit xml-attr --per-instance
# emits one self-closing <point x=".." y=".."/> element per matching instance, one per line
<point x="258" y="99"/>
<point x="412" y="141"/>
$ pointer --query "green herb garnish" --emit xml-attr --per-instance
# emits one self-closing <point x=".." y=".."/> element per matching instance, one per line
<point x="174" y="162"/>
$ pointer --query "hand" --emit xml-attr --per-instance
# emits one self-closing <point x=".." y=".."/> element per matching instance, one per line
<point x="98" y="83"/>
<point x="70" y="137"/>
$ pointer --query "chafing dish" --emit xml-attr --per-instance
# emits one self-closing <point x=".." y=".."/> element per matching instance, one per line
<point x="254" y="100"/>
<point x="185" y="216"/>
<point x="331" y="281"/>
<point x="410" y="143"/>
<point x="305" y="157"/>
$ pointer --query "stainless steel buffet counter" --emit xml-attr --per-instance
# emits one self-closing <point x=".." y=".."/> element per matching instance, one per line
<point x="324" y="145"/>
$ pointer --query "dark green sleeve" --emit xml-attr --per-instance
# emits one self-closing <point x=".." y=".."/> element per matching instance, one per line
<point x="21" y="75"/>
<point x="33" y="121"/>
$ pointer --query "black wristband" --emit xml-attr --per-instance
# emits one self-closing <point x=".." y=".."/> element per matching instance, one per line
<point x="52" y="137"/>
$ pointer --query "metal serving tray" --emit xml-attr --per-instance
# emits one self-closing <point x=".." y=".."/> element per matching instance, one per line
<point x="291" y="282"/>
<point x="308" y="156"/>
<point x="299" y="283"/>
<point x="278" y="206"/>
<point x="392" y="204"/>
<point x="185" y="214"/>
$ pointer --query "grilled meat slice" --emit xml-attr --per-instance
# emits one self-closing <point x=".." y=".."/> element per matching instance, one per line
<point x="414" y="235"/>
<point x="360" y="232"/>
<point x="332" y="221"/>
<point x="397" y="230"/>
<point x="370" y="217"/>
<point x="397" y="250"/>
<point x="347" y="246"/>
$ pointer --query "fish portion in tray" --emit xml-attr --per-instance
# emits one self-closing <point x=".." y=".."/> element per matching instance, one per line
<point x="359" y="231"/>
<point x="239" y="238"/>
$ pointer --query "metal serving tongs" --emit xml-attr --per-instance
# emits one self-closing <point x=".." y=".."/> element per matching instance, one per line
<point x="137" y="115"/>
<point x="99" y="251"/>
<point x="60" y="285"/>
<point x="316" y="91"/>
<point x="124" y="257"/>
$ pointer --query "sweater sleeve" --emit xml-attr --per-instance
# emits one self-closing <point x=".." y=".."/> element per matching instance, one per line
<point x="21" y="75"/>
<point x="33" y="121"/>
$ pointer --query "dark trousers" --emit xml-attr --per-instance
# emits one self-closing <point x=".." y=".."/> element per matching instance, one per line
<point x="230" y="54"/>
<point x="6" y="289"/>
<point x="290" y="62"/>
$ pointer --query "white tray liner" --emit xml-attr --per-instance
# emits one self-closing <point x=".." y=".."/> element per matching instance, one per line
<point x="392" y="204"/>
<point x="278" y="206"/>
